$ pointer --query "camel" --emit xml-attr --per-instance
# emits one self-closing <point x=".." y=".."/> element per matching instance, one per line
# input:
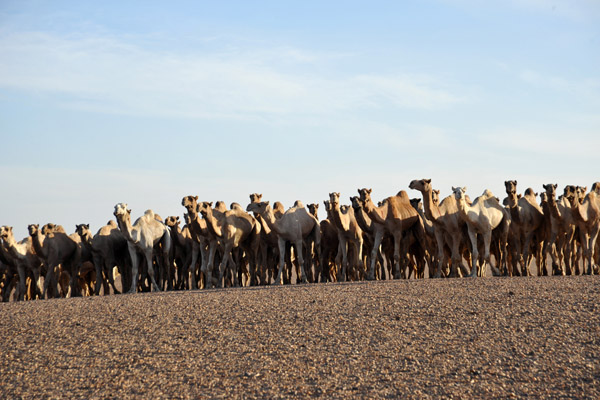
<point x="448" y="226"/>
<point x="58" y="250"/>
<point x="23" y="255"/>
<point x="374" y="230"/>
<point x="143" y="236"/>
<point x="109" y="249"/>
<point x="397" y="216"/>
<point x="206" y="241"/>
<point x="482" y="217"/>
<point x="331" y="254"/>
<point x="560" y="229"/>
<point x="349" y="233"/>
<point x="528" y="218"/>
<point x="236" y="229"/>
<point x="295" y="225"/>
<point x="586" y="213"/>
<point x="185" y="251"/>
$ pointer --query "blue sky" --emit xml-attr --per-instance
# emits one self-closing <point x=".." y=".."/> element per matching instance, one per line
<point x="146" y="102"/>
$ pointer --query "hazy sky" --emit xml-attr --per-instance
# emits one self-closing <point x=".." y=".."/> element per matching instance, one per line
<point x="146" y="102"/>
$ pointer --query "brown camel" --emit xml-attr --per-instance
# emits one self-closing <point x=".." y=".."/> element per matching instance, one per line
<point x="60" y="254"/>
<point x="236" y="229"/>
<point x="397" y="216"/>
<point x="586" y="214"/>
<point x="146" y="233"/>
<point x="185" y="251"/>
<point x="293" y="226"/>
<point x="448" y="226"/>
<point x="23" y="255"/>
<point x="207" y="242"/>
<point x="376" y="233"/>
<point x="109" y="249"/>
<point x="331" y="254"/>
<point x="350" y="236"/>
<point x="528" y="218"/>
<point x="269" y="248"/>
<point x="482" y="217"/>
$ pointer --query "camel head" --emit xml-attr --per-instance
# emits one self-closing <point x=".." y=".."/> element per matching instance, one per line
<point x="417" y="204"/>
<point x="569" y="192"/>
<point x="596" y="187"/>
<point x="205" y="207"/>
<point x="82" y="229"/>
<point x="511" y="187"/>
<point x="313" y="209"/>
<point x="581" y="190"/>
<point x="422" y="185"/>
<point x="51" y="228"/>
<point x="172" y="221"/>
<point x="365" y="194"/>
<point x="257" y="208"/>
<point x="460" y="193"/>
<point x="190" y="203"/>
<point x="187" y="218"/>
<point x="255" y="197"/>
<point x="334" y="198"/>
<point x="550" y="190"/>
<point x="121" y="211"/>
<point x="357" y="203"/>
<point x="543" y="197"/>
<point x="33" y="229"/>
<point x="235" y="206"/>
<point x="5" y="232"/>
<point x="435" y="196"/>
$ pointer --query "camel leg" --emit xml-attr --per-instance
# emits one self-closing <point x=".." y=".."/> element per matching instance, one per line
<point x="191" y="270"/>
<point x="374" y="251"/>
<point x="134" y="268"/>
<point x="589" y="254"/>
<point x="281" y="245"/>
<point x="302" y="276"/>
<point x="208" y="268"/>
<point x="487" y="239"/>
<point x="148" y="256"/>
<point x="341" y="275"/>
<point x="98" y="267"/>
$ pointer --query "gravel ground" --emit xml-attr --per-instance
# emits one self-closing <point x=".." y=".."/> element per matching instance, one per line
<point x="534" y="337"/>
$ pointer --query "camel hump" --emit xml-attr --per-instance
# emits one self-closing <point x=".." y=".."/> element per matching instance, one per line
<point x="298" y="204"/>
<point x="403" y="197"/>
<point x="487" y="194"/>
<point x="149" y="213"/>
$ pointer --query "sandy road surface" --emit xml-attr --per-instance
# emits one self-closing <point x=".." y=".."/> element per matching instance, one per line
<point x="461" y="338"/>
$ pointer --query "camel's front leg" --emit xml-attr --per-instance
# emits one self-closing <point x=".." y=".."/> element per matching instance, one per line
<point x="281" y="245"/>
<point x="302" y="277"/>
<point x="148" y="256"/>
<point x="134" y="268"/>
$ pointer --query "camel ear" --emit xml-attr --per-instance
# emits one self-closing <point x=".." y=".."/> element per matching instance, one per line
<point x="196" y="198"/>
<point x="453" y="189"/>
<point x="129" y="211"/>
<point x="427" y="180"/>
<point x="177" y="218"/>
<point x="545" y="187"/>
<point x="464" y="189"/>
<point x="266" y="203"/>
<point x="210" y="203"/>
<point x="515" y="182"/>
<point x="369" y="191"/>
<point x="555" y="186"/>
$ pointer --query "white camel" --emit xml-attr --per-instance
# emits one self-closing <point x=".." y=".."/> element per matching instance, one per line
<point x="482" y="217"/>
<point x="143" y="236"/>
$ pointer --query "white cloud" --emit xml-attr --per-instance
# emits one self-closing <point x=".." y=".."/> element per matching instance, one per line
<point x="108" y="75"/>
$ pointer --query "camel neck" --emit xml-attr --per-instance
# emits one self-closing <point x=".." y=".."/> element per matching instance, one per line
<point x="37" y="240"/>
<point x="212" y="223"/>
<point x="338" y="218"/>
<point x="432" y="211"/>
<point x="124" y="224"/>
<point x="373" y="212"/>
<point x="363" y="219"/>
<point x="270" y="219"/>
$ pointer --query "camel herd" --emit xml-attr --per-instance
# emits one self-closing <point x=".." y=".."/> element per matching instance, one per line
<point x="266" y="244"/>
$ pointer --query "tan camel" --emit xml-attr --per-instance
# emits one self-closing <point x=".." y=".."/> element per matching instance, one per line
<point x="448" y="226"/>
<point x="374" y="230"/>
<point x="23" y="255"/>
<point x="207" y="242"/>
<point x="236" y="229"/>
<point x="293" y="226"/>
<point x="586" y="214"/>
<point x="146" y="233"/>
<point x="559" y="230"/>
<point x="60" y="253"/>
<point x="397" y="216"/>
<point x="482" y="217"/>
<point x="528" y="218"/>
<point x="349" y="234"/>
<point x="269" y="248"/>
<point x="331" y="254"/>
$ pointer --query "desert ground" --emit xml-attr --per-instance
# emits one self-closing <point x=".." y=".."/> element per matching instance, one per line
<point x="536" y="337"/>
